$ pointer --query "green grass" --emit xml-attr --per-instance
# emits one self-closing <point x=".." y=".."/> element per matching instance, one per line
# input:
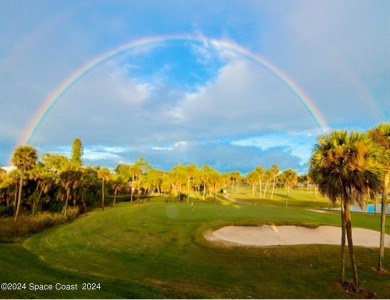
<point x="157" y="249"/>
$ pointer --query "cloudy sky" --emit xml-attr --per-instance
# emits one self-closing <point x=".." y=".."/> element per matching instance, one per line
<point x="232" y="84"/>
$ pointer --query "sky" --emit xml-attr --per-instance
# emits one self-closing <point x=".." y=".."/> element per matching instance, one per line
<point x="233" y="84"/>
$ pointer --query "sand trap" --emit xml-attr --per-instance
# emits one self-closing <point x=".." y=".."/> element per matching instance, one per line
<point x="269" y="235"/>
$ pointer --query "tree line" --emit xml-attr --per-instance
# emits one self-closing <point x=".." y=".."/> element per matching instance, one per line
<point x="56" y="182"/>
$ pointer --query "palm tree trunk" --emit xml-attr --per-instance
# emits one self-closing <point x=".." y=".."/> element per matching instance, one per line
<point x="67" y="199"/>
<point x="288" y="187"/>
<point x="259" y="187"/>
<point x="265" y="188"/>
<point x="15" y="199"/>
<point x="385" y="191"/>
<point x="348" y="226"/>
<point x="342" y="250"/>
<point x="188" y="189"/>
<point x="215" y="199"/>
<point x="103" y="196"/>
<point x="116" y="192"/>
<point x="273" y="187"/>
<point x="19" y="197"/>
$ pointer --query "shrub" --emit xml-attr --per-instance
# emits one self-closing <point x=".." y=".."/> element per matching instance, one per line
<point x="72" y="212"/>
<point x="47" y="219"/>
<point x="182" y="197"/>
<point x="6" y="211"/>
<point x="55" y="205"/>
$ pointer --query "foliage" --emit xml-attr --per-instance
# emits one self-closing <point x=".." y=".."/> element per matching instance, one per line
<point x="6" y="211"/>
<point x="77" y="153"/>
<point x="24" y="158"/>
<point x="45" y="220"/>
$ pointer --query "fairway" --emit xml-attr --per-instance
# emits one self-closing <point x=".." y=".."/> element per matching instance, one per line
<point x="158" y="250"/>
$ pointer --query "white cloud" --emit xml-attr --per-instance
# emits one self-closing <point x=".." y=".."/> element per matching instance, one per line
<point x="100" y="155"/>
<point x="298" y="145"/>
<point x="243" y="99"/>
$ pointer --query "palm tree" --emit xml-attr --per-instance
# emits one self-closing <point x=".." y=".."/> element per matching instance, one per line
<point x="251" y="178"/>
<point x="267" y="177"/>
<point x="206" y="175"/>
<point x="117" y="184"/>
<point x="290" y="178"/>
<point x="344" y="166"/>
<point x="381" y="137"/>
<point x="11" y="181"/>
<point x="104" y="175"/>
<point x="191" y="171"/>
<point x="260" y="172"/>
<point x="24" y="158"/>
<point x="235" y="177"/>
<point x="70" y="179"/>
<point x="275" y="171"/>
<point x="214" y="180"/>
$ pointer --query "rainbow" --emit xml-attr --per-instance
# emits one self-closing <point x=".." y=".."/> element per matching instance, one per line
<point x="70" y="81"/>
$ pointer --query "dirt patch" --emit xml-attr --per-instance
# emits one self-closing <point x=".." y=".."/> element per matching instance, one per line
<point x="347" y="288"/>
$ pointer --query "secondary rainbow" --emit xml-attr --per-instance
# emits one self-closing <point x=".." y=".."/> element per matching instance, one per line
<point x="70" y="81"/>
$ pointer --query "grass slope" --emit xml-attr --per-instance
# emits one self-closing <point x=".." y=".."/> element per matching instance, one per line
<point x="157" y="250"/>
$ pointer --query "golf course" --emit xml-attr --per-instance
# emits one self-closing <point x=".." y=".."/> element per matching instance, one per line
<point x="157" y="249"/>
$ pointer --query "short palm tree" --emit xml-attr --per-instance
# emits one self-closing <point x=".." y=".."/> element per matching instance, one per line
<point x="344" y="166"/>
<point x="70" y="179"/>
<point x="24" y="158"/>
<point x="290" y="178"/>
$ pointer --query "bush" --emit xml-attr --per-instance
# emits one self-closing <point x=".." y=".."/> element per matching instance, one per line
<point x="6" y="211"/>
<point x="90" y="200"/>
<point x="72" y="212"/>
<point x="46" y="219"/>
<point x="55" y="205"/>
<point x="182" y="197"/>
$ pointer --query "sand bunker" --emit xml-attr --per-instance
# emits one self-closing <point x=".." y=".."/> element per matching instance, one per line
<point x="269" y="235"/>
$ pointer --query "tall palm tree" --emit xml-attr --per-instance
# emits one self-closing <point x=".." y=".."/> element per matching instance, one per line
<point x="267" y="177"/>
<point x="381" y="137"/>
<point x="24" y="158"/>
<point x="104" y="175"/>
<point x="344" y="165"/>
<point x="275" y="171"/>
<point x="260" y="172"/>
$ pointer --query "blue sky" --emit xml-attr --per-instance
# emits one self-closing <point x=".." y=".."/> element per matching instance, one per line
<point x="192" y="101"/>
